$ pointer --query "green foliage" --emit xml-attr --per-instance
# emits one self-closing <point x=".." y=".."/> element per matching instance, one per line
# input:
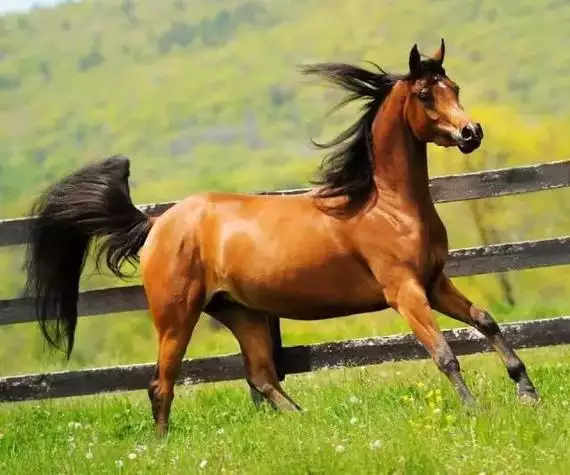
<point x="97" y="78"/>
<point x="394" y="418"/>
<point x="205" y="95"/>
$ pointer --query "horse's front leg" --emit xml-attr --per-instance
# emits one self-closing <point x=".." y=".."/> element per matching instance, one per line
<point x="407" y="296"/>
<point x="445" y="298"/>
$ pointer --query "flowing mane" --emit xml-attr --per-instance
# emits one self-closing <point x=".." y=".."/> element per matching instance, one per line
<point x="349" y="168"/>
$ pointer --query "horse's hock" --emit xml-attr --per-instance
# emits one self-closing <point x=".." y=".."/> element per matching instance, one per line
<point x="299" y="359"/>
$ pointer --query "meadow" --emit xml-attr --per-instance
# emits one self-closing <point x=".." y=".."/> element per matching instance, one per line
<point x="399" y="418"/>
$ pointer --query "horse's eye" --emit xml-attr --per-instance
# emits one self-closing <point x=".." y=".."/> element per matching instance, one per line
<point x="423" y="95"/>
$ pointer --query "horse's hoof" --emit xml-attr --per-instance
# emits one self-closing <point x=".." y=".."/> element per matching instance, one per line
<point x="161" y="430"/>
<point x="469" y="401"/>
<point x="528" y="397"/>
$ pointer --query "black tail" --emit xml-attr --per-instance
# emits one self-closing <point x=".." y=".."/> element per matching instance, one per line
<point x="92" y="202"/>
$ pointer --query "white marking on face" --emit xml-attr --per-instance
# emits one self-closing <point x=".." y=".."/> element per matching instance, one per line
<point x="442" y="84"/>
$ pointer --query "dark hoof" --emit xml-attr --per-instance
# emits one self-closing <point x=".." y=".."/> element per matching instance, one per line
<point x="471" y="406"/>
<point x="468" y="400"/>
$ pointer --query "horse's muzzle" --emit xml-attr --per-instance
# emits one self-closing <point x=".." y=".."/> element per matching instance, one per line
<point x="469" y="137"/>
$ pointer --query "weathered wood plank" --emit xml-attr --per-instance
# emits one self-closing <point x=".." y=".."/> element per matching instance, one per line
<point x="509" y="256"/>
<point x="91" y="302"/>
<point x="468" y="186"/>
<point x="500" y="182"/>
<point x="468" y="261"/>
<point x="297" y="359"/>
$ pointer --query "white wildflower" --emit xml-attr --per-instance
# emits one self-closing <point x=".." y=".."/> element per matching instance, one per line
<point x="89" y="455"/>
<point x="140" y="448"/>
<point x="203" y="464"/>
<point x="132" y="456"/>
<point x="340" y="448"/>
<point x="119" y="463"/>
<point x="376" y="444"/>
<point x="354" y="400"/>
<point x="220" y="431"/>
<point x="353" y="420"/>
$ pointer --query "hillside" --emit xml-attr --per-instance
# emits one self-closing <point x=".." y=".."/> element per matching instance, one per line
<point x="210" y="88"/>
<point x="206" y="95"/>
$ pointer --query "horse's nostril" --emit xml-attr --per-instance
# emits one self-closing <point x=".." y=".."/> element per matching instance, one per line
<point x="467" y="133"/>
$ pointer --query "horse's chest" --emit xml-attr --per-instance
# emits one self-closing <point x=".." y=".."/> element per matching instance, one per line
<point x="425" y="246"/>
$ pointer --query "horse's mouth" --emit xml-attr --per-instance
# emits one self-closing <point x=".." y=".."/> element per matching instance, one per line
<point x="468" y="147"/>
<point x="465" y="145"/>
<point x="468" y="138"/>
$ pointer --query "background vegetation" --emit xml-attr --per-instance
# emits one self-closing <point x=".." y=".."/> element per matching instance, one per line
<point x="204" y="95"/>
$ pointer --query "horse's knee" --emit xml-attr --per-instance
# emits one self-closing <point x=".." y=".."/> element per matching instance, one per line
<point x="484" y="322"/>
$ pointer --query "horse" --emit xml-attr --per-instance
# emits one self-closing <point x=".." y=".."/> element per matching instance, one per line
<point x="365" y="238"/>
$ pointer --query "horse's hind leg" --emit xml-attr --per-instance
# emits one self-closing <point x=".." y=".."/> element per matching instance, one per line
<point x="277" y="346"/>
<point x="174" y="323"/>
<point x="449" y="301"/>
<point x="251" y="329"/>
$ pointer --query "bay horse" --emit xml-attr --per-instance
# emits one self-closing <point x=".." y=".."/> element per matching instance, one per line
<point x="367" y="237"/>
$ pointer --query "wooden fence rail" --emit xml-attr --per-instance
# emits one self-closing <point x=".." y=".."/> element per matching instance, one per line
<point x="468" y="261"/>
<point x="300" y="359"/>
<point x="468" y="186"/>
<point x="297" y="359"/>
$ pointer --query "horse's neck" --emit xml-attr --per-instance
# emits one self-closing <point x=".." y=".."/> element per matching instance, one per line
<point x="401" y="169"/>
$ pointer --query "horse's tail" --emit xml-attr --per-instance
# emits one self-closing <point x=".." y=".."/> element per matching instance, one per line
<point x="93" y="202"/>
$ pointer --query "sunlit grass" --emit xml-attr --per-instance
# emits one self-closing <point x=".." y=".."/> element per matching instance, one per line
<point x="392" y="418"/>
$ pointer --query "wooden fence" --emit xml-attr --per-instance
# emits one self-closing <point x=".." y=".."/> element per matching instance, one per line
<point x="298" y="359"/>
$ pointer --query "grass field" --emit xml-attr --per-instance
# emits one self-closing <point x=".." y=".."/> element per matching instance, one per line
<point x="396" y="418"/>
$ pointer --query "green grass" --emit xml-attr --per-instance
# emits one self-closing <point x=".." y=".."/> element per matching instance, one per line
<point x="393" y="418"/>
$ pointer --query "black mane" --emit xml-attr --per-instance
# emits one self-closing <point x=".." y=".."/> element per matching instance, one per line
<point x="349" y="168"/>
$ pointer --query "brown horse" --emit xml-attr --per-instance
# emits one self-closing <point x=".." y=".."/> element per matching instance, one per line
<point x="367" y="238"/>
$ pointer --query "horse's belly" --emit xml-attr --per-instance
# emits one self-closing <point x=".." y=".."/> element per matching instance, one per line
<point x="311" y="292"/>
<point x="308" y="268"/>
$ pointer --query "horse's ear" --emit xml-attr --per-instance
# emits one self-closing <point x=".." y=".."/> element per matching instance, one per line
<point x="439" y="55"/>
<point x="415" y="61"/>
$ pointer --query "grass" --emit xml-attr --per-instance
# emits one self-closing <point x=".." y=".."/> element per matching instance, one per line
<point x="396" y="418"/>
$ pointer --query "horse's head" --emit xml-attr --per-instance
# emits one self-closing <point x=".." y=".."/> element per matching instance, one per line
<point x="432" y="107"/>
